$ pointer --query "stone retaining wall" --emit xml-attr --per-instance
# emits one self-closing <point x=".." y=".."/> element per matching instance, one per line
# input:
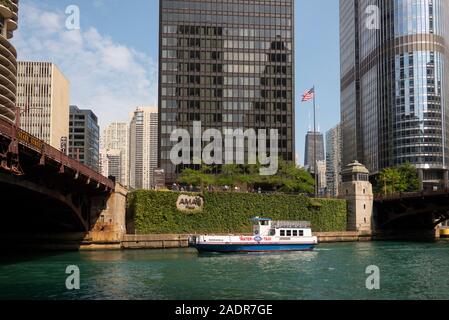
<point x="167" y="241"/>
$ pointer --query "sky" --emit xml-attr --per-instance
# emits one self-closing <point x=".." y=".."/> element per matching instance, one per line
<point x="111" y="60"/>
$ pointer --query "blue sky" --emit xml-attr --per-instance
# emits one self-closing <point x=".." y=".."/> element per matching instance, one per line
<point x="111" y="61"/>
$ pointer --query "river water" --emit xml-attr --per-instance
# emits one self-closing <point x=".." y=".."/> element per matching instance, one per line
<point x="333" y="271"/>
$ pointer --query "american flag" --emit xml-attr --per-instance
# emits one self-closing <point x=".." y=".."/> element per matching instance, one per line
<point x="308" y="95"/>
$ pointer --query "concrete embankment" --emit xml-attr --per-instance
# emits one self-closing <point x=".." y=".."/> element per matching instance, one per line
<point x="162" y="241"/>
<point x="171" y="241"/>
<point x="330" y="237"/>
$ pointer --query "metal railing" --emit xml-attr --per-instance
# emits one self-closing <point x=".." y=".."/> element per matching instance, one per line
<point x="408" y="195"/>
<point x="291" y="224"/>
<point x="33" y="143"/>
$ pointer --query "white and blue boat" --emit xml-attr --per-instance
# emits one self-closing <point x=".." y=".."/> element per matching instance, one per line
<point x="268" y="236"/>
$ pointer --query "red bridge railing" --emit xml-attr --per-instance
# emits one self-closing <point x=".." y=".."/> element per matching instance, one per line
<point x="33" y="143"/>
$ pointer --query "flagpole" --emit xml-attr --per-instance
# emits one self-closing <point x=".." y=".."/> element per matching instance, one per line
<point x="315" y="162"/>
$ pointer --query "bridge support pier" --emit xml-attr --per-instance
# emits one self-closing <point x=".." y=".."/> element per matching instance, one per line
<point x="108" y="221"/>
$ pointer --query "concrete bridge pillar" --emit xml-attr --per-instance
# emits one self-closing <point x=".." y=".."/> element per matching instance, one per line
<point x="108" y="220"/>
<point x="358" y="192"/>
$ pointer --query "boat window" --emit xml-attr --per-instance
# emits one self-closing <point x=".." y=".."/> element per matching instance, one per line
<point x="282" y="233"/>
<point x="301" y="233"/>
<point x="289" y="233"/>
<point x="272" y="232"/>
<point x="295" y="233"/>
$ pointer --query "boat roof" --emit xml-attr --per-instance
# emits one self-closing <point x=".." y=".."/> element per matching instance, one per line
<point x="291" y="224"/>
<point x="261" y="219"/>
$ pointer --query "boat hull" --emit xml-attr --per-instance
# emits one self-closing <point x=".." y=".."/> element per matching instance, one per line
<point x="246" y="248"/>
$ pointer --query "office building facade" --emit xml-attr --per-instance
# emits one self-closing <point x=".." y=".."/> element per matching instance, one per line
<point x="334" y="163"/>
<point x="111" y="164"/>
<point x="116" y="138"/>
<point x="43" y="96"/>
<point x="394" y="85"/>
<point x="228" y="64"/>
<point x="314" y="140"/>
<point x="143" y="146"/>
<point x="84" y="138"/>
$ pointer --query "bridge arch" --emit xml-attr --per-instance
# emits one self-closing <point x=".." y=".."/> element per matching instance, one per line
<point x="49" y="202"/>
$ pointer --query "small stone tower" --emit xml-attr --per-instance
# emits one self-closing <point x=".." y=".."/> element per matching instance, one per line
<point x="358" y="192"/>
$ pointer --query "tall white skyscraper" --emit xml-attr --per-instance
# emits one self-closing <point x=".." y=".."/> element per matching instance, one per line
<point x="334" y="159"/>
<point x="115" y="145"/>
<point x="43" y="96"/>
<point x="143" y="154"/>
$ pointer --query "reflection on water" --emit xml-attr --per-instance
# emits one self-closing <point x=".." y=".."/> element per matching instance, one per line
<point x="334" y="271"/>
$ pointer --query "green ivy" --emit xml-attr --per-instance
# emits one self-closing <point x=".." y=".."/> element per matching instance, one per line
<point x="155" y="212"/>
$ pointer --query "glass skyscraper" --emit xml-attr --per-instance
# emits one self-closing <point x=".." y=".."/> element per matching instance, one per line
<point x="228" y="64"/>
<point x="394" y="88"/>
<point x="314" y="142"/>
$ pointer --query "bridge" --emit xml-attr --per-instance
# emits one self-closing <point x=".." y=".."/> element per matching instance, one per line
<point x="411" y="216"/>
<point x="43" y="191"/>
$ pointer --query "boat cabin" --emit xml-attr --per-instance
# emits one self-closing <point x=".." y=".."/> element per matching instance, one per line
<point x="265" y="227"/>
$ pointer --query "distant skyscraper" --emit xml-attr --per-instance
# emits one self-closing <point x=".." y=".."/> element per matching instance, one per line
<point x="43" y="96"/>
<point x="112" y="163"/>
<point x="333" y="160"/>
<point x="228" y="65"/>
<point x="321" y="178"/>
<point x="84" y="139"/>
<point x="394" y="85"/>
<point x="309" y="152"/>
<point x="116" y="137"/>
<point x="143" y="148"/>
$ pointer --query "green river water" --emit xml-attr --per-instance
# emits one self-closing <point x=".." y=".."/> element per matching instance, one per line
<point x="332" y="271"/>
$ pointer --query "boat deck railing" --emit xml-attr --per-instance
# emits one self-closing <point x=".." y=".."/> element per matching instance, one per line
<point x="291" y="224"/>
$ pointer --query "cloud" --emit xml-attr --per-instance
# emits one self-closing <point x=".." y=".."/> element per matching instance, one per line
<point x="104" y="75"/>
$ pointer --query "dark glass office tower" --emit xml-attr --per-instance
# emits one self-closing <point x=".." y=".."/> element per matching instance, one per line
<point x="314" y="140"/>
<point x="84" y="139"/>
<point x="394" y="85"/>
<point x="228" y="64"/>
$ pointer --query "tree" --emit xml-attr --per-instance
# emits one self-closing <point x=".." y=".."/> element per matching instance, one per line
<point x="289" y="177"/>
<point x="410" y="178"/>
<point x="396" y="180"/>
<point x="198" y="178"/>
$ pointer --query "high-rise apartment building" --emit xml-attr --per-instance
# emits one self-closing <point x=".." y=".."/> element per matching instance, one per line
<point x="334" y="163"/>
<point x="314" y="140"/>
<point x="8" y="63"/>
<point x="394" y="85"/>
<point x="116" y="138"/>
<point x="143" y="146"/>
<point x="43" y="96"/>
<point x="84" y="138"/>
<point x="228" y="64"/>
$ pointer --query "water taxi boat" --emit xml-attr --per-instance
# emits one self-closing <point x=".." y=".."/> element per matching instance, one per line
<point x="268" y="236"/>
